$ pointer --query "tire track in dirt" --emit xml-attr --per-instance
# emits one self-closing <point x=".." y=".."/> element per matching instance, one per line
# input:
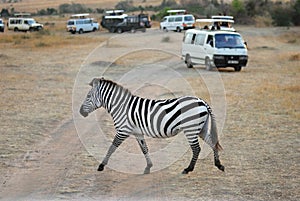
<point x="44" y="169"/>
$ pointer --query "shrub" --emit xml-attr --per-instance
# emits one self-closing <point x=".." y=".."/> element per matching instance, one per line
<point x="263" y="21"/>
<point x="282" y="16"/>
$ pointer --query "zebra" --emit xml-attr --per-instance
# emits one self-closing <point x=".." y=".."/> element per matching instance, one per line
<point x="137" y="116"/>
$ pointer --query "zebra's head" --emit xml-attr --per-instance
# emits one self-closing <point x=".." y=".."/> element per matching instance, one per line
<point x="92" y="100"/>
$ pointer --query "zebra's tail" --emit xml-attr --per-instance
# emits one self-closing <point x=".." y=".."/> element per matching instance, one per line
<point x="214" y="131"/>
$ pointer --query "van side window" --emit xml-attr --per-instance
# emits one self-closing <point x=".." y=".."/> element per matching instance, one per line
<point x="178" y="19"/>
<point x="189" y="38"/>
<point x="209" y="39"/>
<point x="171" y="19"/>
<point x="199" y="40"/>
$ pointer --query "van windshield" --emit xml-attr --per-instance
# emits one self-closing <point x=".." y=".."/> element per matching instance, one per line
<point x="188" y="18"/>
<point x="71" y="22"/>
<point x="229" y="41"/>
<point x="30" y="22"/>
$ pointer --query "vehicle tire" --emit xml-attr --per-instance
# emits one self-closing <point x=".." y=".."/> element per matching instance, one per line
<point x="16" y="29"/>
<point x="119" y="30"/>
<point x="188" y="61"/>
<point x="178" y="29"/>
<point x="112" y="30"/>
<point x="80" y="31"/>
<point x="94" y="29"/>
<point x="238" y="68"/>
<point x="31" y="29"/>
<point x="208" y="65"/>
<point x="132" y="30"/>
<point x="165" y="29"/>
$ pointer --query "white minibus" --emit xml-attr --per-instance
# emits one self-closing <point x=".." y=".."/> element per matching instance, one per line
<point x="177" y="22"/>
<point x="80" y="23"/>
<point x="214" y="49"/>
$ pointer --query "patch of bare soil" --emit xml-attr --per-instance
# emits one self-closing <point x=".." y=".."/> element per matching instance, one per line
<point x="42" y="157"/>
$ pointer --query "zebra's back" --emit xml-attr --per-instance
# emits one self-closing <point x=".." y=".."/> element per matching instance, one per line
<point x="165" y="118"/>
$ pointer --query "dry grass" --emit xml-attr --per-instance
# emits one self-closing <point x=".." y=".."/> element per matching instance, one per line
<point x="143" y="58"/>
<point x="53" y="35"/>
<point x="263" y="21"/>
<point x="33" y="5"/>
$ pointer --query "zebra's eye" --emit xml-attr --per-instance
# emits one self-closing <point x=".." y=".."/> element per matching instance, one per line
<point x="88" y="96"/>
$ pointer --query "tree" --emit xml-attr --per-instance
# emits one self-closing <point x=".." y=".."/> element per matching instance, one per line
<point x="4" y="12"/>
<point x="296" y="15"/>
<point x="237" y="8"/>
<point x="282" y="16"/>
<point x="72" y="8"/>
<point x="125" y="5"/>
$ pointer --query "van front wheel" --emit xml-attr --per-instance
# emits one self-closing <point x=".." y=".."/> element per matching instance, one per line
<point x="188" y="61"/>
<point x="178" y="29"/>
<point x="132" y="30"/>
<point x="238" y="68"/>
<point x="119" y="30"/>
<point x="208" y="65"/>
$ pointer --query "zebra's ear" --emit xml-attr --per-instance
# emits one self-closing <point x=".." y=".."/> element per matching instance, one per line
<point x="94" y="82"/>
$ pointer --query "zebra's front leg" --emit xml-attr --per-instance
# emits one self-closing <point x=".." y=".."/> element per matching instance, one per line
<point x="115" y="144"/>
<point x="196" y="150"/>
<point x="144" y="149"/>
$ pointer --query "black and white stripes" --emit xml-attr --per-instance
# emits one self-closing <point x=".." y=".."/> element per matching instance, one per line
<point x="133" y="115"/>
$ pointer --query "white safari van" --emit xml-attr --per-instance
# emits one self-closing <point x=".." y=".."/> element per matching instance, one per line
<point x="177" y="22"/>
<point x="80" y="23"/>
<point x="23" y="24"/>
<point x="214" y="49"/>
<point x="218" y="22"/>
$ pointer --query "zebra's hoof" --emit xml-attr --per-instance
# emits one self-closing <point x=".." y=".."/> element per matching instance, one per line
<point x="185" y="171"/>
<point x="101" y="167"/>
<point x="221" y="167"/>
<point x="147" y="171"/>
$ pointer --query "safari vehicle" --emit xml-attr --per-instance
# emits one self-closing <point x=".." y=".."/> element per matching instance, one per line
<point x="218" y="22"/>
<point x="80" y="23"/>
<point x="177" y="21"/>
<point x="2" y="26"/>
<point x="22" y="23"/>
<point x="117" y="21"/>
<point x="214" y="49"/>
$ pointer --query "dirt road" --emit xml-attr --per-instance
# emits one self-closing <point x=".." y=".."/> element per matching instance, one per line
<point x="259" y="121"/>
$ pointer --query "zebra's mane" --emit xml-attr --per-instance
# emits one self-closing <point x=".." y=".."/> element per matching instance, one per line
<point x="110" y="82"/>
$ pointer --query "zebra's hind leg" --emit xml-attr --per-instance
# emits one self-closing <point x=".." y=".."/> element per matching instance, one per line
<point x="144" y="149"/>
<point x="116" y="142"/>
<point x="217" y="160"/>
<point x="196" y="150"/>
<point x="216" y="149"/>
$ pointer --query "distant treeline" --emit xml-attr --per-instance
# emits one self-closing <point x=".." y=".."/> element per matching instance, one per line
<point x="278" y="13"/>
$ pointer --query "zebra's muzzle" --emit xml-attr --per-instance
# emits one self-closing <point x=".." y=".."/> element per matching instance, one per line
<point x="82" y="112"/>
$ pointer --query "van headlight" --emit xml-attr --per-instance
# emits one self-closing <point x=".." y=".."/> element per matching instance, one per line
<point x="243" y="57"/>
<point x="219" y="57"/>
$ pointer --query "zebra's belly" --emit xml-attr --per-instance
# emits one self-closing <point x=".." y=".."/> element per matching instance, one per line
<point x="156" y="134"/>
